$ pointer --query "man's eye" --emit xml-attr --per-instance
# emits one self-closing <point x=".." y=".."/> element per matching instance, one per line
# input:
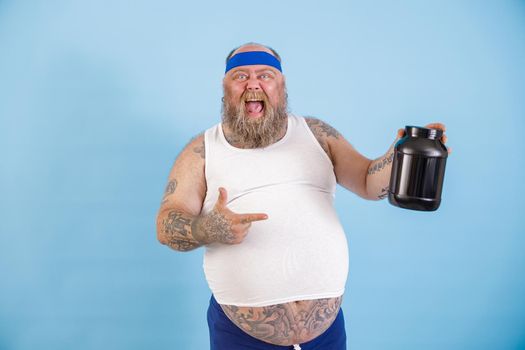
<point x="265" y="76"/>
<point x="241" y="77"/>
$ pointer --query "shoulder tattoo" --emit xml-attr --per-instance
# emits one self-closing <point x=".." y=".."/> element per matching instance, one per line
<point x="199" y="149"/>
<point x="322" y="132"/>
<point x="322" y="128"/>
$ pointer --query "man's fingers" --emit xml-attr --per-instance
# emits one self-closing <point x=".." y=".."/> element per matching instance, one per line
<point x="436" y="126"/>
<point x="247" y="218"/>
<point x="223" y="197"/>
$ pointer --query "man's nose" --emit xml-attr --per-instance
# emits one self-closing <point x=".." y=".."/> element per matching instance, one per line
<point x="253" y="84"/>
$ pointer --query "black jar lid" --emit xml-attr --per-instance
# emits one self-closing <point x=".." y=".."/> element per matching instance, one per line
<point x="417" y="131"/>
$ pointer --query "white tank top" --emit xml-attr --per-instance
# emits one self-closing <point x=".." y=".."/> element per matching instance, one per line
<point x="300" y="252"/>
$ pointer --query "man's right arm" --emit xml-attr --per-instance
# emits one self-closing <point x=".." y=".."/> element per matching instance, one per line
<point x="180" y="224"/>
<point x="183" y="198"/>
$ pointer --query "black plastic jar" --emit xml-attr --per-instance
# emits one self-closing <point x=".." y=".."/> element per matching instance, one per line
<point x="418" y="169"/>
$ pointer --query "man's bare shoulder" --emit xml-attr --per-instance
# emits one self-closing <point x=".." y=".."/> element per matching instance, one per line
<point x="324" y="133"/>
<point x="195" y="147"/>
<point x="192" y="156"/>
<point x="321" y="129"/>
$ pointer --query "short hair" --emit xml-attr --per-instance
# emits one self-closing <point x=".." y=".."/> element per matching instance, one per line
<point x="252" y="43"/>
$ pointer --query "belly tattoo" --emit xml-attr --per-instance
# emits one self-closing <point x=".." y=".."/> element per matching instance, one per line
<point x="288" y="323"/>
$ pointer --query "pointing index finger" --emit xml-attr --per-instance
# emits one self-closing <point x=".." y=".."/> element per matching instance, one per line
<point x="247" y="218"/>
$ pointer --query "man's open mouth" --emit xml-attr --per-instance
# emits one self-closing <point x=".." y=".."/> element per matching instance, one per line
<point x="254" y="106"/>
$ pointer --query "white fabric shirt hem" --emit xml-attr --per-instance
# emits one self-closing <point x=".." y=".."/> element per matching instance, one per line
<point x="282" y="300"/>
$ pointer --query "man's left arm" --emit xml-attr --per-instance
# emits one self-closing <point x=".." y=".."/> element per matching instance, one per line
<point x="378" y="174"/>
<point x="365" y="177"/>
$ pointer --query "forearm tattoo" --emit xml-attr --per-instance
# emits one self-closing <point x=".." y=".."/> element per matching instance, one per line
<point x="384" y="193"/>
<point x="176" y="228"/>
<point x="214" y="227"/>
<point x="281" y="324"/>
<point x="379" y="165"/>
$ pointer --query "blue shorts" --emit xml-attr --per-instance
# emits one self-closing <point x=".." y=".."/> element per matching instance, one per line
<point x="225" y="335"/>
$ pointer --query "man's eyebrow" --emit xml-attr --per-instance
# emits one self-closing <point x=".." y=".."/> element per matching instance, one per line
<point x="264" y="70"/>
<point x="244" y="70"/>
<point x="237" y="70"/>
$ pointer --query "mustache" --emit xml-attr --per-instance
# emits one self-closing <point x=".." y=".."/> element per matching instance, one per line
<point x="254" y="96"/>
<point x="248" y="96"/>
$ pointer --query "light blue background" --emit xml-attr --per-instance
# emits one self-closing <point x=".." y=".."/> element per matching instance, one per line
<point x="97" y="98"/>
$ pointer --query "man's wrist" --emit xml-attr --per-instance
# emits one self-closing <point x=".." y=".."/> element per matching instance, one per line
<point x="198" y="232"/>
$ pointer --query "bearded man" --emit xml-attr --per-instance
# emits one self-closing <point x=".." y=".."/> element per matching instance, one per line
<point x="257" y="192"/>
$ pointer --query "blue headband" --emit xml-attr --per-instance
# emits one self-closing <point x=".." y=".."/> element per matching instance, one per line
<point x="251" y="58"/>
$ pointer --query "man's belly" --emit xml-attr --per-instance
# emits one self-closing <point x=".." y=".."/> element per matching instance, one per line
<point x="288" y="323"/>
<point x="299" y="253"/>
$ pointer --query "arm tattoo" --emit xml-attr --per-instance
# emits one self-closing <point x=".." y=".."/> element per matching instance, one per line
<point x="182" y="232"/>
<point x="200" y="150"/>
<point x="170" y="189"/>
<point x="176" y="228"/>
<point x="384" y="193"/>
<point x="322" y="132"/>
<point x="379" y="165"/>
<point x="322" y="128"/>
<point x="279" y="324"/>
<point x="215" y="227"/>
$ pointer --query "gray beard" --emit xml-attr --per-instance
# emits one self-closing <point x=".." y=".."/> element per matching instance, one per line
<point x="255" y="133"/>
